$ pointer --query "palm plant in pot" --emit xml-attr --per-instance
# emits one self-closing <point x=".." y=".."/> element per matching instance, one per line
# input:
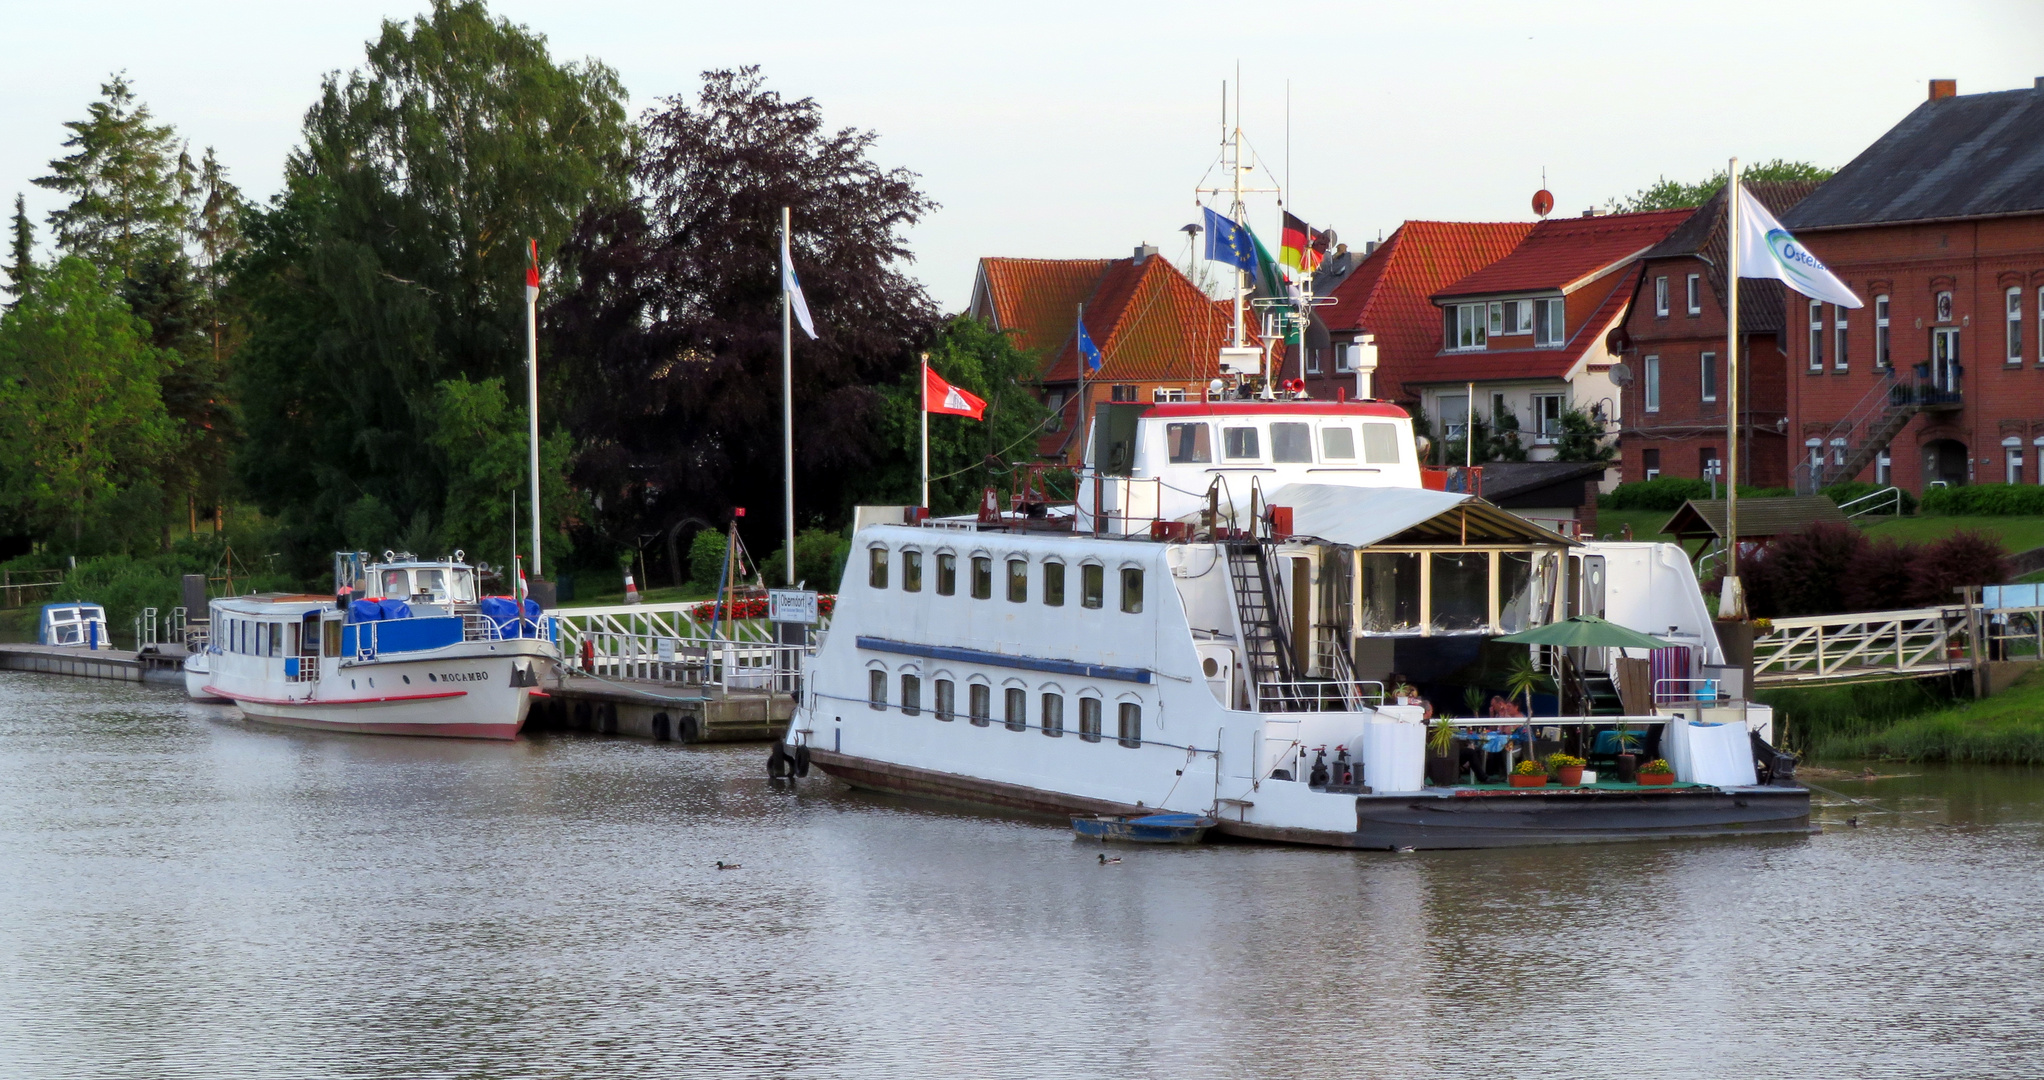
<point x="1657" y="773"/>
<point x="1442" y="770"/>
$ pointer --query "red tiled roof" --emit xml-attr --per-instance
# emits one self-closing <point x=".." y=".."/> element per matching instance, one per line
<point x="1455" y="367"/>
<point x="1038" y="298"/>
<point x="1388" y="295"/>
<point x="1150" y="324"/>
<point x="1560" y="253"/>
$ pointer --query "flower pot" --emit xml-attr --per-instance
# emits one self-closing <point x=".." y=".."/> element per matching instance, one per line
<point x="1628" y="768"/>
<point x="1441" y="770"/>
<point x="1523" y="780"/>
<point x="1570" y="775"/>
<point x="1656" y="779"/>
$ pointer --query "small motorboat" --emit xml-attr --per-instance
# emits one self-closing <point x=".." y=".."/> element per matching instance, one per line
<point x="78" y="624"/>
<point x="1145" y="828"/>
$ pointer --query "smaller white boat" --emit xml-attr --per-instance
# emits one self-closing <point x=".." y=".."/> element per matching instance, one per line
<point x="77" y="624"/>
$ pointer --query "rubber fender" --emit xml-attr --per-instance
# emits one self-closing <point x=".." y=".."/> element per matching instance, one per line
<point x="583" y="715"/>
<point x="802" y="760"/>
<point x="690" y="729"/>
<point x="778" y="765"/>
<point x="609" y="719"/>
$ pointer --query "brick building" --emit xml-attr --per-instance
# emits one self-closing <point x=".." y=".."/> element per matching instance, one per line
<point x="1939" y="227"/>
<point x="1673" y="347"/>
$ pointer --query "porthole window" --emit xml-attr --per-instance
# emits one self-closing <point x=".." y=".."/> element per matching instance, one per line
<point x="876" y="688"/>
<point x="1131" y="724"/>
<point x="1018" y="581"/>
<point x="911" y="570"/>
<point x="947" y="574"/>
<point x="1092" y="585"/>
<point x="947" y="700"/>
<point x="982" y="577"/>
<point x="1054" y="584"/>
<point x="1089" y="719"/>
<point x="911" y="695"/>
<point x="876" y="567"/>
<point x="1053" y="716"/>
<point x="980" y="702"/>
<point x="1016" y="715"/>
<point x="1132" y="589"/>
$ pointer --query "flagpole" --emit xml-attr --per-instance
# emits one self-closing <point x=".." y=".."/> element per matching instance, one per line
<point x="1732" y="596"/>
<point x="925" y="397"/>
<point x="532" y="395"/>
<point x="787" y="407"/>
<point x="1080" y="367"/>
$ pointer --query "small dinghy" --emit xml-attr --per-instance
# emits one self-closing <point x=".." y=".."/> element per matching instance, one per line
<point x="1145" y="829"/>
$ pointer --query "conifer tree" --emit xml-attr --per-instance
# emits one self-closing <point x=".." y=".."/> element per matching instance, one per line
<point x="125" y="179"/>
<point x="21" y="249"/>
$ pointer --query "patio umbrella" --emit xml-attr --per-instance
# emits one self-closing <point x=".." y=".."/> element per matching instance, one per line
<point x="1585" y="630"/>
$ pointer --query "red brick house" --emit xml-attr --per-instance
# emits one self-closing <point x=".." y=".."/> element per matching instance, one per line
<point x="1673" y="346"/>
<point x="1939" y="227"/>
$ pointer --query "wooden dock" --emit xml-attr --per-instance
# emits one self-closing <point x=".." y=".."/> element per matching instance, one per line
<point x="661" y="711"/>
<point x="164" y="665"/>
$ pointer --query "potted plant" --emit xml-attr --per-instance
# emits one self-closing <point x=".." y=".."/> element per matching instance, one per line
<point x="1626" y="762"/>
<point x="1529" y="773"/>
<point x="1657" y="773"/>
<point x="1567" y="769"/>
<point x="1442" y="770"/>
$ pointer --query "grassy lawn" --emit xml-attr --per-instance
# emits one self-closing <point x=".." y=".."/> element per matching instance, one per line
<point x="2004" y="730"/>
<point x="1646" y="524"/>
<point x="2017" y="533"/>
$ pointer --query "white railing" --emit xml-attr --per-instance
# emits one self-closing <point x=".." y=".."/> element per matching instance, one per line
<point x="1318" y="695"/>
<point x="1887" y="500"/>
<point x="1686" y="691"/>
<point x="688" y="661"/>
<point x="1921" y="641"/>
<point x="659" y="620"/>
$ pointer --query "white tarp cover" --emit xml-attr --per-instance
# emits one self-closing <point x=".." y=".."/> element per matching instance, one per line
<point x="1354" y="516"/>
<point x="1716" y="754"/>
<point x="1394" y="756"/>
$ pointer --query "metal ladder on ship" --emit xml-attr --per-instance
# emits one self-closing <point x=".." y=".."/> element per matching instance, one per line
<point x="1260" y="608"/>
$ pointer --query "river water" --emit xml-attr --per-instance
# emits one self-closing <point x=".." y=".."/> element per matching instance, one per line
<point x="183" y="894"/>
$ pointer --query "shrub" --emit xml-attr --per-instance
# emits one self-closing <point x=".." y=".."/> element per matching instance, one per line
<point x="1966" y="557"/>
<point x="1670" y="492"/>
<point x="706" y="558"/>
<point x="1859" y="489"/>
<point x="1884" y="576"/>
<point x="819" y="561"/>
<point x="1806" y="572"/>
<point x="1986" y="500"/>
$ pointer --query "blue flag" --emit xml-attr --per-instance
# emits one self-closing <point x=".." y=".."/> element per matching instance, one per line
<point x="1087" y="350"/>
<point x="1229" y="243"/>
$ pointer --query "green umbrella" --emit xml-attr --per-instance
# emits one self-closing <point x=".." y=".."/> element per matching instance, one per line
<point x="1585" y="630"/>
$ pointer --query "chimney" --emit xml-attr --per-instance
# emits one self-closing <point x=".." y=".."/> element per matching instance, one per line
<point x="1941" y="89"/>
<point x="1593" y="212"/>
<point x="2040" y="82"/>
<point x="1143" y="252"/>
<point x="1369" y="248"/>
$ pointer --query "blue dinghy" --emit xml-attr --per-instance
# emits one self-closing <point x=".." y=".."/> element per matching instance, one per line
<point x="1145" y="829"/>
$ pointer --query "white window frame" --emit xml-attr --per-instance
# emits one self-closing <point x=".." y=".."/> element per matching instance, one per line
<point x="1312" y="358"/>
<point x="1541" y="434"/>
<point x="1695" y="297"/>
<point x="1344" y="358"/>
<point x="1494" y="319"/>
<point x="1883" y="359"/>
<point x="2012" y="458"/>
<point x="1837" y="452"/>
<point x="1650" y="472"/>
<point x="2013" y="336"/>
<point x="1816" y="335"/>
<point x="1884" y="469"/>
<point x="1471" y="328"/>
<point x="1815" y="448"/>
<point x="1522" y="320"/>
<point x="1707" y="375"/>
<point x="2037" y="444"/>
<point x="1650" y="382"/>
<point x="1840" y="358"/>
<point x="1167" y="395"/>
<point x="1549" y="325"/>
<point x="1661" y="297"/>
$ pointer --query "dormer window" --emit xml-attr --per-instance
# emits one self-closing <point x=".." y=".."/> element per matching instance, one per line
<point x="1468" y="326"/>
<point x="1548" y="328"/>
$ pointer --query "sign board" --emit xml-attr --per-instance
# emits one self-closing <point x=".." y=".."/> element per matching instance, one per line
<point x="791" y="606"/>
<point x="1244" y="361"/>
<point x="666" y="648"/>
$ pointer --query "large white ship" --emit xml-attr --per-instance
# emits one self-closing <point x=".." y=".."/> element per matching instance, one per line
<point x="404" y="647"/>
<point x="1220" y="625"/>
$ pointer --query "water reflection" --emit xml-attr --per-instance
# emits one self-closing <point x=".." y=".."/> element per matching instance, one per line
<point x="189" y="895"/>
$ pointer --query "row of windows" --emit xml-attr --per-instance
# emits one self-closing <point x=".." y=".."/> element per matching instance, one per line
<point x="1050" y="714"/>
<point x="1695" y="296"/>
<point x="1471" y="326"/>
<point x="1291" y="443"/>
<point x="1944" y="340"/>
<point x="1092" y="578"/>
<point x="251" y="638"/>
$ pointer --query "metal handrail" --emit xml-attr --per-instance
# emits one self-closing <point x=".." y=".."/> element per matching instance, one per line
<point x="1317" y="695"/>
<point x="1890" y="496"/>
<point x="690" y="661"/>
<point x="1684" y="691"/>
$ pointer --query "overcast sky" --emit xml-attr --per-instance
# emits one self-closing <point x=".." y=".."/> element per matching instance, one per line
<point x="1080" y="129"/>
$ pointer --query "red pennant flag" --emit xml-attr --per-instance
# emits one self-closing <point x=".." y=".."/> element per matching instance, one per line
<point x="942" y="397"/>
<point x="532" y="272"/>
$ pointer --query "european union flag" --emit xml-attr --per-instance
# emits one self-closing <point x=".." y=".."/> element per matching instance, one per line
<point x="1229" y="243"/>
<point x="1088" y="351"/>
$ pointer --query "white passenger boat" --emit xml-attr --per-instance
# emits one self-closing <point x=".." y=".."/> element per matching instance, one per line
<point x="1211" y="627"/>
<point x="404" y="647"/>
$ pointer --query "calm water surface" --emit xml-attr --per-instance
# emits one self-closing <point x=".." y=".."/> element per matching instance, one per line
<point x="186" y="895"/>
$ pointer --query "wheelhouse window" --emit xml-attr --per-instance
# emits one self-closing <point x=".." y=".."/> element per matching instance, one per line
<point x="1018" y="581"/>
<point x="1016" y="713"/>
<point x="1053" y="583"/>
<point x="876" y="567"/>
<point x="911" y="570"/>
<point x="396" y="585"/>
<point x="1130" y="728"/>
<point x="1291" y="443"/>
<point x="980" y="704"/>
<point x="982" y="577"/>
<point x="1132" y="589"/>
<point x="1092" y="585"/>
<point x="1089" y="719"/>
<point x="2014" y="301"/>
<point x="876" y="688"/>
<point x="1881" y="358"/>
<point x="947" y="574"/>
<point x="947" y="700"/>
<point x="1840" y="357"/>
<point x="911" y="695"/>
<point x="1189" y="444"/>
<point x="1708" y="376"/>
<point x="1650" y="382"/>
<point x="432" y="582"/>
<point x="1380" y="444"/>
<point x="1695" y="294"/>
<point x="1816" y="335"/>
<point x="1052" y="717"/>
<point x="1240" y="444"/>
<point x="1338" y="444"/>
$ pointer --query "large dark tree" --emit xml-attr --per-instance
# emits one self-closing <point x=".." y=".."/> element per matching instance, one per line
<point x="676" y="326"/>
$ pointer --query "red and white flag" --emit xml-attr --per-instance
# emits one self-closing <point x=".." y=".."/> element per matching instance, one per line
<point x="532" y="272"/>
<point x="947" y="400"/>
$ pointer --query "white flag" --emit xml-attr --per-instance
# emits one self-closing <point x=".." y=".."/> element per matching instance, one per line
<point x="1766" y="250"/>
<point x="793" y="288"/>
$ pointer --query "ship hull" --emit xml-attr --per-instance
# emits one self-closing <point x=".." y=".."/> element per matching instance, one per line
<point x="470" y="691"/>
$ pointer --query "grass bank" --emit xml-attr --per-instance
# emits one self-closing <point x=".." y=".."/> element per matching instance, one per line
<point x="2016" y="533"/>
<point x="2007" y="729"/>
<point x="1816" y="720"/>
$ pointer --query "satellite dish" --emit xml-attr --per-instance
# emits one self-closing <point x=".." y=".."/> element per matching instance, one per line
<point x="1543" y="202"/>
<point x="1621" y="376"/>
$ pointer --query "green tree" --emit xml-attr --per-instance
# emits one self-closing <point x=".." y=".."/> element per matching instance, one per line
<point x="394" y="260"/>
<point x="482" y="443"/>
<point x="966" y="455"/>
<point x="20" y="248"/>
<point x="1666" y="194"/>
<point x="81" y="416"/>
<point x="1583" y="438"/>
<point x="126" y="180"/>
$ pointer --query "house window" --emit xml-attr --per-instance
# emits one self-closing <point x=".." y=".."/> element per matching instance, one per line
<point x="1884" y="469"/>
<point x="1092" y="585"/>
<point x="1016" y="713"/>
<point x="1709" y="376"/>
<point x="1650" y="464"/>
<point x="1522" y="316"/>
<point x="1312" y="361"/>
<point x="1344" y="358"/>
<point x="1291" y="443"/>
<point x="1816" y="335"/>
<point x="876" y="567"/>
<point x="1547" y="416"/>
<point x="947" y="574"/>
<point x="1122" y="392"/>
<point x="1837" y="452"/>
<point x="1052" y="719"/>
<point x="947" y="700"/>
<point x="1132" y="590"/>
<point x="2038" y="444"/>
<point x="1838" y="352"/>
<point x="1018" y="581"/>
<point x="1089" y="719"/>
<point x="2040" y="334"/>
<point x="1130" y="731"/>
<point x="1548" y="326"/>
<point x="1189" y="444"/>
<point x="982" y="577"/>
<point x="1496" y="318"/>
<point x="911" y="571"/>
<point x="1054" y="584"/>
<point x="1468" y="326"/>
<point x="1650" y="382"/>
<point x="1454" y="410"/>
<point x="979" y="704"/>
<point x="1881" y="358"/>
<point x="2012" y="460"/>
<point x="1338" y="444"/>
<point x="1055" y="402"/>
<point x="1240" y="444"/>
<point x="1816" y="449"/>
<point x="1944" y="358"/>
<point x="2015" y="328"/>
<point x="1661" y="297"/>
<point x="1172" y="395"/>
<point x="876" y="688"/>
<point x="1696" y="294"/>
<point x="911" y="696"/>
<point x="1944" y="306"/>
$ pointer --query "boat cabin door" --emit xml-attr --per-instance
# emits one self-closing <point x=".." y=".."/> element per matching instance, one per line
<point x="1586" y="597"/>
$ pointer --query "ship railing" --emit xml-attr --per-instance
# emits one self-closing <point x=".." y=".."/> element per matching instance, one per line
<point x="692" y="660"/>
<point x="301" y="669"/>
<point x="1317" y="695"/>
<point x="1689" y="691"/>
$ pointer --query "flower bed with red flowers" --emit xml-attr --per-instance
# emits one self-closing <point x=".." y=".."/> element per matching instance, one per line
<point x="749" y="609"/>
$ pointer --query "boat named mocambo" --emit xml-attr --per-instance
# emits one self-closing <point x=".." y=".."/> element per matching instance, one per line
<point x="405" y="647"/>
<point x="1210" y="628"/>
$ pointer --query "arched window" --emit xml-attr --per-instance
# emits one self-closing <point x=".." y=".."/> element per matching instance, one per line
<point x="876" y="567"/>
<point x="911" y="570"/>
<point x="911" y="694"/>
<point x="1053" y="583"/>
<point x="980" y="704"/>
<point x="1129" y="731"/>
<point x="1132" y="589"/>
<point x="947" y="574"/>
<point x="947" y="699"/>
<point x="1092" y="585"/>
<point x="876" y="687"/>
<point x="1015" y="711"/>
<point x="1018" y="580"/>
<point x="982" y="577"/>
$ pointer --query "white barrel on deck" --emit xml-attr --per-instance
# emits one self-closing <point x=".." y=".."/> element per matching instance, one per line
<point x="1394" y="754"/>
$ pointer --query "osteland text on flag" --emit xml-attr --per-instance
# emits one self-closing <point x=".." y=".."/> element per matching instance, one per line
<point x="791" y="285"/>
<point x="1766" y="250"/>
<point x="1229" y="243"/>
<point x="948" y="400"/>
<point x="1089" y="352"/>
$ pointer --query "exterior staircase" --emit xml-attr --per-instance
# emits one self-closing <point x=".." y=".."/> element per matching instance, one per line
<point x="1259" y="605"/>
<point x="1873" y="424"/>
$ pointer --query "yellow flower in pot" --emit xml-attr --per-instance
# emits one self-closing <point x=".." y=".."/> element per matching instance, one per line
<point x="1657" y="773"/>
<point x="1529" y="773"/>
<point x="1567" y="769"/>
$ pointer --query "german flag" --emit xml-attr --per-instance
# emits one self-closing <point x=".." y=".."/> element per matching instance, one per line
<point x="1300" y="246"/>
